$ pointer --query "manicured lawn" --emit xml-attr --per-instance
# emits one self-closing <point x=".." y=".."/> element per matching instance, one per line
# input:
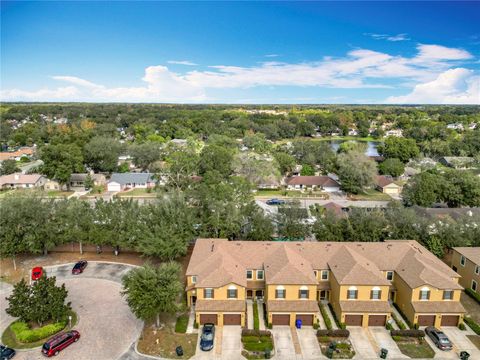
<point x="475" y="339"/>
<point x="254" y="346"/>
<point x="138" y="192"/>
<point x="256" y="320"/>
<point x="372" y="195"/>
<point x="58" y="193"/>
<point x="168" y="340"/>
<point x="416" y="349"/>
<point x="181" y="324"/>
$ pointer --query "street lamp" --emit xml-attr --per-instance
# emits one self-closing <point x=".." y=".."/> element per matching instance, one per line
<point x="70" y="321"/>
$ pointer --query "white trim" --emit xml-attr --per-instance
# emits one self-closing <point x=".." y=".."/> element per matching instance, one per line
<point x="321" y="275"/>
<point x="263" y="275"/>
<point x="251" y="273"/>
<point x="232" y="287"/>
<point x="280" y="287"/>
<point x="303" y="287"/>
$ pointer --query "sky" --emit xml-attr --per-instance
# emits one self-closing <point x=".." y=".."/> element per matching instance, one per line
<point x="241" y="52"/>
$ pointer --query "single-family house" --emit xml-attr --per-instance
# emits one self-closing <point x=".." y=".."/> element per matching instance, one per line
<point x="22" y="181"/>
<point x="386" y="185"/>
<point x="17" y="154"/>
<point x="78" y="180"/>
<point x="124" y="181"/>
<point x="322" y="183"/>
<point x="466" y="262"/>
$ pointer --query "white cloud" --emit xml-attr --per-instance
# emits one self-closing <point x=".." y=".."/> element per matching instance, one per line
<point x="398" y="37"/>
<point x="454" y="86"/>
<point x="271" y="55"/>
<point x="182" y="62"/>
<point x="77" y="81"/>
<point x="428" y="53"/>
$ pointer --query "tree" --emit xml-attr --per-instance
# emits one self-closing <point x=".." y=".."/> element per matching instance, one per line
<point x="328" y="227"/>
<point x="257" y="143"/>
<point x="216" y="158"/>
<point x="422" y="189"/>
<point x="180" y="167"/>
<point x="291" y="221"/>
<point x="307" y="170"/>
<point x="144" y="155"/>
<point x="461" y="188"/>
<point x="151" y="291"/>
<point x="391" y="166"/>
<point x="400" y="148"/>
<point x="256" y="169"/>
<point x="257" y="225"/>
<point x="101" y="153"/>
<point x="356" y="171"/>
<point x="8" y="167"/>
<point x="286" y="162"/>
<point x="19" y="301"/>
<point x="60" y="161"/>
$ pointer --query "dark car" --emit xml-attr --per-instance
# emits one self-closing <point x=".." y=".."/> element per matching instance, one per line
<point x="6" y="353"/>
<point x="79" y="267"/>
<point x="59" y="342"/>
<point x="207" y="337"/>
<point x="37" y="273"/>
<point x="275" y="202"/>
<point x="439" y="338"/>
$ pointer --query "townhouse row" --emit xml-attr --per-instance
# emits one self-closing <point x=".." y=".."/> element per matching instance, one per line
<point x="361" y="281"/>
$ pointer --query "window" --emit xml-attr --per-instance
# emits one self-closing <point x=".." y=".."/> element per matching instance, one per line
<point x="376" y="293"/>
<point x="390" y="275"/>
<point x="303" y="293"/>
<point x="447" y="295"/>
<point x="249" y="274"/>
<point x="208" y="293"/>
<point x="352" y="293"/>
<point x="194" y="279"/>
<point x="324" y="274"/>
<point x="315" y="273"/>
<point x="474" y="285"/>
<point x="232" y="293"/>
<point x="462" y="260"/>
<point x="259" y="274"/>
<point x="280" y="292"/>
<point x="477" y="270"/>
<point x="424" y="294"/>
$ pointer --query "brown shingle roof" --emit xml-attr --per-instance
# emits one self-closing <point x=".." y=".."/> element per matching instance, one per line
<point x="292" y="305"/>
<point x="365" y="306"/>
<point x="471" y="253"/>
<point x="323" y="181"/>
<point x="438" y="306"/>
<point x="382" y="180"/>
<point x="220" y="305"/>
<point x="285" y="266"/>
<point x="19" y="178"/>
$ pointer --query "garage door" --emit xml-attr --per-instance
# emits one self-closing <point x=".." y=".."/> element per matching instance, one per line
<point x="377" y="320"/>
<point x="390" y="191"/>
<point x="281" y="319"/>
<point x="306" y="319"/>
<point x="208" y="318"/>
<point x="449" y="320"/>
<point x="353" y="320"/>
<point x="426" y="320"/>
<point x="232" y="319"/>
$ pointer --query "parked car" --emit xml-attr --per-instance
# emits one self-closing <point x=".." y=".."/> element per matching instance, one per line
<point x="275" y="202"/>
<point x="6" y="353"/>
<point x="207" y="337"/>
<point x="37" y="273"/>
<point x="79" y="267"/>
<point x="439" y="338"/>
<point x="59" y="342"/>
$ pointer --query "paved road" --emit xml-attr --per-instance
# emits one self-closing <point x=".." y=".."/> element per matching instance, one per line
<point x="345" y="203"/>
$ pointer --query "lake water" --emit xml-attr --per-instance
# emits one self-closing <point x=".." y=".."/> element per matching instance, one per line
<point x="371" y="147"/>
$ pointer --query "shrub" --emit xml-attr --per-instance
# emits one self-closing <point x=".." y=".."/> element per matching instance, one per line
<point x="473" y="325"/>
<point x="248" y="339"/>
<point x="410" y="325"/>
<point x="195" y="325"/>
<point x="316" y="326"/>
<point x="333" y="333"/>
<point x="326" y="318"/>
<point x="397" y="338"/>
<point x="343" y="346"/>
<point x="461" y="326"/>
<point x="24" y="334"/>
<point x="324" y="339"/>
<point x="256" y="321"/>
<point x="399" y="322"/>
<point x="181" y="324"/>
<point x="388" y="326"/>
<point x="408" y="333"/>
<point x="257" y="333"/>
<point x="473" y="295"/>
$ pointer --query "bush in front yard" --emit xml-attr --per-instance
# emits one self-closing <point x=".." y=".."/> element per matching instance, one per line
<point x="181" y="324"/>
<point x="326" y="318"/>
<point x="341" y="333"/>
<point x="473" y="325"/>
<point x="24" y="334"/>
<point x="408" y="333"/>
<point x="256" y="333"/>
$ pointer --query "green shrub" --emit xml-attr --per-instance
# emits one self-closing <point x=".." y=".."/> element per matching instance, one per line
<point x="334" y="333"/>
<point x="326" y="318"/>
<point x="24" y="334"/>
<point x="473" y="325"/>
<point x="316" y="326"/>
<point x="195" y="325"/>
<point x="410" y="325"/>
<point x="399" y="322"/>
<point x="462" y="327"/>
<point x="388" y="326"/>
<point x="397" y="338"/>
<point x="343" y="346"/>
<point x="324" y="339"/>
<point x="339" y="324"/>
<point x="408" y="333"/>
<point x="181" y="324"/>
<point x="473" y="295"/>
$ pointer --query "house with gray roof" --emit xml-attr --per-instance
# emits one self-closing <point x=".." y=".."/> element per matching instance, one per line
<point x="125" y="181"/>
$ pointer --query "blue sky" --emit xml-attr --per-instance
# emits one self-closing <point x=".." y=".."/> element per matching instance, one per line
<point x="324" y="52"/>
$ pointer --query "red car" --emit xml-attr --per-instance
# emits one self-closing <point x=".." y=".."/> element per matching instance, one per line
<point x="59" y="342"/>
<point x="79" y="267"/>
<point x="37" y="273"/>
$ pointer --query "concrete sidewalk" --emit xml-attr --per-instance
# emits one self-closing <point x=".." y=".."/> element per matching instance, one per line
<point x="250" y="305"/>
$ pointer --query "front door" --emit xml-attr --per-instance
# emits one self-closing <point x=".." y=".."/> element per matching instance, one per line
<point x="249" y="294"/>
<point x="194" y="300"/>
<point x="323" y="295"/>
<point x="259" y="294"/>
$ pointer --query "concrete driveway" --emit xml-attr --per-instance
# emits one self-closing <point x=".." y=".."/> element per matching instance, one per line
<point x="439" y="354"/>
<point x="384" y="340"/>
<point x="364" y="343"/>
<point x="282" y="338"/>
<point x="232" y="342"/>
<point x="307" y="339"/>
<point x="461" y="342"/>
<point x="106" y="324"/>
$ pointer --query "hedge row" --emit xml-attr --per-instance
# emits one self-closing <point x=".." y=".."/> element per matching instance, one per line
<point x="344" y="333"/>
<point x="24" y="334"/>
<point x="408" y="333"/>
<point x="249" y="332"/>
<point x="326" y="318"/>
<point x="473" y="325"/>
<point x="473" y="294"/>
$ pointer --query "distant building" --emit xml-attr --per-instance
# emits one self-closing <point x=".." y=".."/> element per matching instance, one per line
<point x="78" y="180"/>
<point x="124" y="181"/>
<point x="386" y="185"/>
<point x="22" y="181"/>
<point x="17" y="154"/>
<point x="394" y="132"/>
<point x="323" y="183"/>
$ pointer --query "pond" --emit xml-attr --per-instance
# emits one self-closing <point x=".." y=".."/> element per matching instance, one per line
<point x="371" y="146"/>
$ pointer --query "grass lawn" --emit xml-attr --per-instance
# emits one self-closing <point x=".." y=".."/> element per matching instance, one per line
<point x="372" y="195"/>
<point x="472" y="307"/>
<point x="475" y="339"/>
<point x="254" y="347"/>
<point x="181" y="324"/>
<point x="138" y="192"/>
<point x="416" y="349"/>
<point x="168" y="340"/>
<point x="58" y="193"/>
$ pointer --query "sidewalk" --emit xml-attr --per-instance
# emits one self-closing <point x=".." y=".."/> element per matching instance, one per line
<point x="191" y="321"/>
<point x="399" y="316"/>
<point x="261" y="317"/>
<point x="250" y="314"/>
<point x="330" y="315"/>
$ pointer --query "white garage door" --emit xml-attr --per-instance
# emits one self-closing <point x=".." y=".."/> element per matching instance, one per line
<point x="113" y="187"/>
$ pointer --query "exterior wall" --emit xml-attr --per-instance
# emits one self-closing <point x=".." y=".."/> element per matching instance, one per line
<point x="221" y="293"/>
<point x="466" y="272"/>
<point x="435" y="294"/>
<point x="403" y="297"/>
<point x="291" y="292"/>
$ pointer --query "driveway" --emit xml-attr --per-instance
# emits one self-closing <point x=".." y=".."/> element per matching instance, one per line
<point x="106" y="324"/>
<point x="309" y="343"/>
<point x="94" y="270"/>
<point x="232" y="342"/>
<point x="283" y="342"/>
<point x="461" y="342"/>
<point x="5" y="319"/>
<point x="363" y="342"/>
<point x="384" y="340"/>
<point x="439" y="354"/>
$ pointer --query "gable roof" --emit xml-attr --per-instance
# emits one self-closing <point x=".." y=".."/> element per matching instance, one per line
<point x="323" y="181"/>
<point x="471" y="253"/>
<point x="130" y="178"/>
<point x="19" y="179"/>
<point x="383" y="180"/>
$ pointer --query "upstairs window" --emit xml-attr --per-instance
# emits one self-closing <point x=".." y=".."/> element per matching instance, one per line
<point x="259" y="274"/>
<point x="249" y="274"/>
<point x="376" y="293"/>
<point x="390" y="275"/>
<point x="424" y="294"/>
<point x="462" y="260"/>
<point x="352" y="293"/>
<point x="324" y="274"/>
<point x="280" y="292"/>
<point x="474" y="285"/>
<point x="208" y="293"/>
<point x="303" y="293"/>
<point x="232" y="292"/>
<point x="194" y="279"/>
<point x="447" y="295"/>
<point x="477" y="270"/>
